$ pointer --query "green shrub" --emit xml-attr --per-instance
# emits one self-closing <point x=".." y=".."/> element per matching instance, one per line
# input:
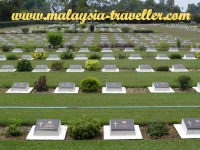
<point x="162" y="46"/>
<point x="91" y="28"/>
<point x="122" y="56"/>
<point x="84" y="128"/>
<point x="24" y="65"/>
<point x="95" y="48"/>
<point x="12" y="57"/>
<point x="38" y="55"/>
<point x="143" y="31"/>
<point x="83" y="25"/>
<point x="59" y="28"/>
<point x="25" y="30"/>
<point x="141" y="48"/>
<point x="125" y="29"/>
<point x="55" y="38"/>
<point x="14" y="128"/>
<point x="57" y="65"/>
<point x="175" y="56"/>
<point x="90" y="84"/>
<point x="91" y="65"/>
<point x="5" y="48"/>
<point x="197" y="54"/>
<point x="178" y="42"/>
<point x="28" y="47"/>
<point x="41" y="84"/>
<point x="157" y="130"/>
<point x="162" y="68"/>
<point x="67" y="55"/>
<point x="94" y="56"/>
<point x="184" y="82"/>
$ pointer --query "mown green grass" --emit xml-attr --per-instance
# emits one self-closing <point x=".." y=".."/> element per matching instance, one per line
<point x="128" y="79"/>
<point x="103" y="145"/>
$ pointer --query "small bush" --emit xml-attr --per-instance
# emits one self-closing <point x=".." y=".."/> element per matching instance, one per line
<point x="141" y="48"/>
<point x="67" y="55"/>
<point x="91" y="65"/>
<point x="125" y="29"/>
<point x="91" y="28"/>
<point x="12" y="57"/>
<point x="90" y="84"/>
<point x="143" y="31"/>
<point x="24" y="65"/>
<point x="197" y="55"/>
<point x="14" y="128"/>
<point x="58" y="28"/>
<point x="57" y="65"/>
<point x="5" y="48"/>
<point x="55" y="38"/>
<point x="178" y="42"/>
<point x="175" y="56"/>
<point x="95" y="48"/>
<point x="157" y="130"/>
<point x="25" y="30"/>
<point x="38" y="55"/>
<point x="28" y="47"/>
<point x="162" y="46"/>
<point x="162" y="68"/>
<point x="184" y="82"/>
<point x="83" y="25"/>
<point x="84" y="128"/>
<point x="94" y="56"/>
<point x="41" y="84"/>
<point x="122" y="56"/>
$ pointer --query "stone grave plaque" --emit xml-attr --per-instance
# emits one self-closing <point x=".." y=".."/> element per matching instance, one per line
<point x="53" y="56"/>
<point x="39" y="49"/>
<point x="191" y="125"/>
<point x="114" y="86"/>
<point x="162" y="55"/>
<point x="195" y="49"/>
<point x="28" y="57"/>
<point x="122" y="127"/>
<point x="7" y="68"/>
<point x="161" y="86"/>
<point x="112" y="67"/>
<point x="189" y="56"/>
<point x="47" y="127"/>
<point x="108" y="55"/>
<point x="2" y="57"/>
<point x="61" y="50"/>
<point x="145" y="67"/>
<point x="84" y="50"/>
<point x="75" y="67"/>
<point x="17" y="50"/>
<point x="42" y="68"/>
<point x="173" y="49"/>
<point x="80" y="56"/>
<point x="20" y="86"/>
<point x="66" y="86"/>
<point x="135" y="55"/>
<point x="178" y="66"/>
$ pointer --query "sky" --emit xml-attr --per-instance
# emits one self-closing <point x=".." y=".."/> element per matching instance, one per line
<point x="182" y="3"/>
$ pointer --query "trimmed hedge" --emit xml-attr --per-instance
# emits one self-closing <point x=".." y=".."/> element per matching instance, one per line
<point x="143" y="31"/>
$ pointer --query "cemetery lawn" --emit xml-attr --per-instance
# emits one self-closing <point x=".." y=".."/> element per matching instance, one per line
<point x="192" y="144"/>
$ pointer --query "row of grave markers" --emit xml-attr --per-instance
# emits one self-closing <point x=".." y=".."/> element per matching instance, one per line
<point x="111" y="87"/>
<point x="118" y="129"/>
<point x="107" y="68"/>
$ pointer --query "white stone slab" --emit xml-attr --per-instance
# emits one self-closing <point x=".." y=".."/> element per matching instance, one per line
<point x="62" y="135"/>
<point x="143" y="70"/>
<point x="3" y="70"/>
<point x="28" y="91"/>
<point x="196" y="89"/>
<point x="104" y="58"/>
<point x="134" y="58"/>
<point x="40" y="71"/>
<point x="188" y="58"/>
<point x="183" y="134"/>
<point x="107" y="136"/>
<point x="109" y="70"/>
<point x="151" y="89"/>
<point x="2" y="59"/>
<point x="53" y="59"/>
<point x="162" y="58"/>
<point x="123" y="91"/>
<point x="75" y="70"/>
<point x="68" y="92"/>
<point x="79" y="58"/>
<point x="106" y="51"/>
<point x="181" y="70"/>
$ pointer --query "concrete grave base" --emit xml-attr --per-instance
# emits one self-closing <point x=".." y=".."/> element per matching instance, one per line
<point x="172" y="70"/>
<point x="53" y="59"/>
<point x="41" y="71"/>
<point x="134" y="58"/>
<point x="107" y="58"/>
<point x="104" y="90"/>
<point x="107" y="136"/>
<point x="138" y="70"/>
<point x="28" y="59"/>
<point x="182" y="133"/>
<point x="107" y="51"/>
<point x="28" y="91"/>
<point x="75" y="70"/>
<point x="196" y="89"/>
<point x="160" y="58"/>
<point x="8" y="71"/>
<point x="188" y="58"/>
<point x="62" y="135"/>
<point x="153" y="91"/>
<point x="68" y="92"/>
<point x="3" y="59"/>
<point x="109" y="70"/>
<point x="80" y="58"/>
